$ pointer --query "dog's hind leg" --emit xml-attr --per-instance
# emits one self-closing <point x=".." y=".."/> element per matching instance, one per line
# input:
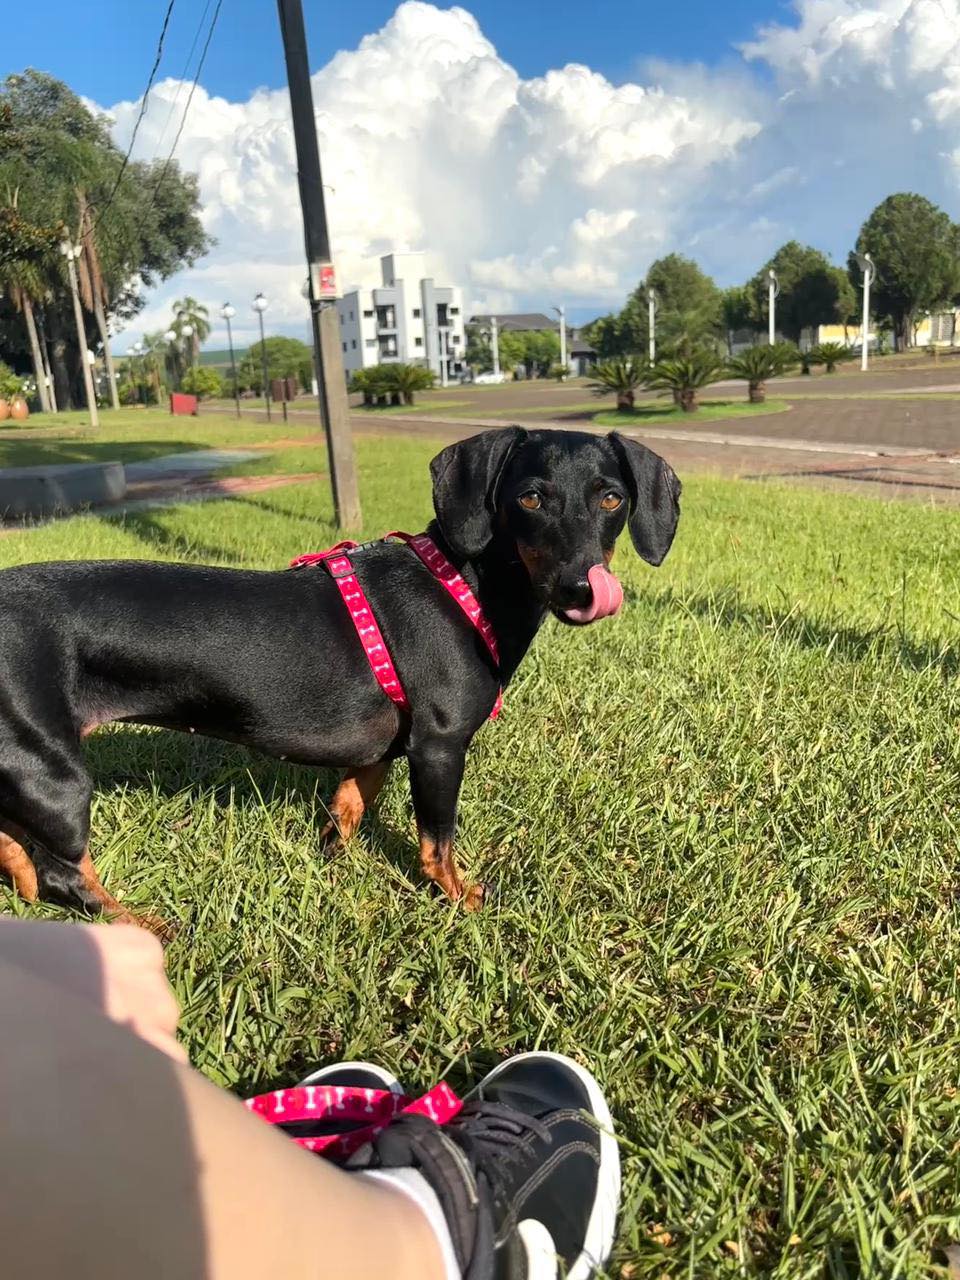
<point x="358" y="790"/>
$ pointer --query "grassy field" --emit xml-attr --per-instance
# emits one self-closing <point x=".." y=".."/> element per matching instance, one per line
<point x="659" y="411"/>
<point x="724" y="829"/>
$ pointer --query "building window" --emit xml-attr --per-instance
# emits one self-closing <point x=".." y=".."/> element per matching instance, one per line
<point x="387" y="317"/>
<point x="371" y="342"/>
<point x="442" y="314"/>
<point x="368" y="315"/>
<point x="418" y="342"/>
<point x="353" y="343"/>
<point x="454" y="311"/>
<point x="416" y="313"/>
<point x="351" y="315"/>
<point x="456" y="337"/>
<point x="388" y="347"/>
<point x="344" y="346"/>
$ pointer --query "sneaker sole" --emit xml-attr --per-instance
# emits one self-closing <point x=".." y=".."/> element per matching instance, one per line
<point x="390" y="1082"/>
<point x="601" y="1226"/>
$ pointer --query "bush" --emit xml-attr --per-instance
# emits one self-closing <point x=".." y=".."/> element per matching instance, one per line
<point x="685" y="376"/>
<point x="11" y="384"/>
<point x="829" y="354"/>
<point x="203" y="382"/>
<point x="757" y="364"/>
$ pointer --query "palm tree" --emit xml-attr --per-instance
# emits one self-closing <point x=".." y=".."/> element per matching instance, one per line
<point x="93" y="289"/>
<point x="406" y="379"/>
<point x="684" y="376"/>
<point x="621" y="375"/>
<point x="756" y="365"/>
<point x="189" y="311"/>
<point x="829" y="354"/>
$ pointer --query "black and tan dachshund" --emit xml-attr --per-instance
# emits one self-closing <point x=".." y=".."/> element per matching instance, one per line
<point x="272" y="660"/>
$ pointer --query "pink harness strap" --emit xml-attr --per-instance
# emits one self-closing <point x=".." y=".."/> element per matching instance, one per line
<point x="340" y="567"/>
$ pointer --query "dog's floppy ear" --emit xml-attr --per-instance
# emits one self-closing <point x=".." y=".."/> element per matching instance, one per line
<point x="466" y="477"/>
<point x="654" y="497"/>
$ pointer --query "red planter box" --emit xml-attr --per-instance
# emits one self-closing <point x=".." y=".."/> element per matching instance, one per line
<point x="183" y="404"/>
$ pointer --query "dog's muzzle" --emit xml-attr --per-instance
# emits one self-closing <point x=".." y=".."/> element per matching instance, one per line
<point x="606" y="597"/>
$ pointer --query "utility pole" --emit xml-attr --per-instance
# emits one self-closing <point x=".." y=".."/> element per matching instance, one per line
<point x="71" y="253"/>
<point x="652" y="324"/>
<point x="869" y="270"/>
<point x="334" y="407"/>
<point x="495" y="346"/>
<point x="774" y="289"/>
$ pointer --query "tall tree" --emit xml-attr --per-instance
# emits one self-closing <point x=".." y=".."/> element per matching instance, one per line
<point x="916" y="250"/>
<point x="736" y="311"/>
<point x="135" y="226"/>
<point x="689" y="306"/>
<point x="188" y="311"/>
<point x="812" y="290"/>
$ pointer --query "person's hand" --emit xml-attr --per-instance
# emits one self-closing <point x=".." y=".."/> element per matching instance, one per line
<point x="117" y="968"/>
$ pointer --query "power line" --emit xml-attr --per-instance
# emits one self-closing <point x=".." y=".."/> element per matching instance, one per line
<point x="183" y="74"/>
<point x="186" y="109"/>
<point x="142" y="113"/>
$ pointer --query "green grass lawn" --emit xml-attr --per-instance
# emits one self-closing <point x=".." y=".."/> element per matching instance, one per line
<point x="724" y="828"/>
<point x="655" y="411"/>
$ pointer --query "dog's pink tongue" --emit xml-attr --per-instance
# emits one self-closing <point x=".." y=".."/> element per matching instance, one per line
<point x="607" y="597"/>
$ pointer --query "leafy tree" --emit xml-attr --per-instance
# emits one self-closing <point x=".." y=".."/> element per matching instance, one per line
<point x="757" y="364"/>
<point x="916" y="250"/>
<point x="60" y="175"/>
<point x="202" y="381"/>
<point x="736" y="311"/>
<point x="622" y="375"/>
<point x="286" y="358"/>
<point x="812" y="290"/>
<point x="684" y="376"/>
<point x="612" y="335"/>
<point x="689" y="307"/>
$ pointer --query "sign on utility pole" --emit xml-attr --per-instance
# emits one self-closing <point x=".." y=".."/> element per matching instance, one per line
<point x="334" y="406"/>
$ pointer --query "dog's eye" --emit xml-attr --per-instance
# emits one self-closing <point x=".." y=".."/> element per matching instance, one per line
<point x="610" y="501"/>
<point x="531" y="500"/>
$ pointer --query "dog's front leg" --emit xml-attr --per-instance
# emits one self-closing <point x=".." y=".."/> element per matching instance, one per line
<point x="436" y="771"/>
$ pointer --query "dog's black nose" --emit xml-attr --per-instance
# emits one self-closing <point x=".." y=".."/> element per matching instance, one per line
<point x="573" y="594"/>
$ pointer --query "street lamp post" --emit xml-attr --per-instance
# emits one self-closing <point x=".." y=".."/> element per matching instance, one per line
<point x="72" y="252"/>
<point x="869" y="274"/>
<point x="137" y="350"/>
<point x="260" y="305"/>
<point x="562" y="313"/>
<point x="228" y="312"/>
<point x="652" y="324"/>
<point x="495" y="346"/>
<point x="171" y="362"/>
<point x="773" y="287"/>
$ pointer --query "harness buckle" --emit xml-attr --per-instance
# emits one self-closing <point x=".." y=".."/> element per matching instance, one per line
<point x="344" y="565"/>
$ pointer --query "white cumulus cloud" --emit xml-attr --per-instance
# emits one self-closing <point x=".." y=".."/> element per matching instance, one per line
<point x="564" y="187"/>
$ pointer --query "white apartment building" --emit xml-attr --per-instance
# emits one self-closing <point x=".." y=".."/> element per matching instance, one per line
<point x="407" y="319"/>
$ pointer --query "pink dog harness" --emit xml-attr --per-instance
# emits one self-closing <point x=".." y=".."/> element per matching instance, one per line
<point x="338" y="564"/>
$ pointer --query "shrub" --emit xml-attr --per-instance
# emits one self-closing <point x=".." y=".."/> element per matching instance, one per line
<point x="757" y="364"/>
<point x="11" y="384"/>
<point x="203" y="382"/>
<point x="829" y="354"/>
<point x="685" y="376"/>
<point x="622" y="375"/>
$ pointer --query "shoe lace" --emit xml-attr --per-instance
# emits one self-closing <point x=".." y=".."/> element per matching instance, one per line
<point x="496" y="1138"/>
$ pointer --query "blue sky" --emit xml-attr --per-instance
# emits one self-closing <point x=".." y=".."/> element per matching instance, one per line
<point x="537" y="156"/>
<point x="107" y="52"/>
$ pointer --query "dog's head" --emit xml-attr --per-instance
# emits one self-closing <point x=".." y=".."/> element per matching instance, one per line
<point x="560" y="499"/>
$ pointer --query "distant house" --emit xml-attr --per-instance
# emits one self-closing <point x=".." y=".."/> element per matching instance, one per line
<point x="938" y="329"/>
<point x="581" y="357"/>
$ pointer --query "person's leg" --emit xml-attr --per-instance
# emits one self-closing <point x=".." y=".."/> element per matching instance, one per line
<point x="117" y="1161"/>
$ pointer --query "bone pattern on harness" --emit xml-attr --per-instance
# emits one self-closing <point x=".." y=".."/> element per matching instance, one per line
<point x="340" y="567"/>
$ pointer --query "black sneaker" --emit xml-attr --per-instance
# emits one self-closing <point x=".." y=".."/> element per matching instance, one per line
<point x="528" y="1174"/>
